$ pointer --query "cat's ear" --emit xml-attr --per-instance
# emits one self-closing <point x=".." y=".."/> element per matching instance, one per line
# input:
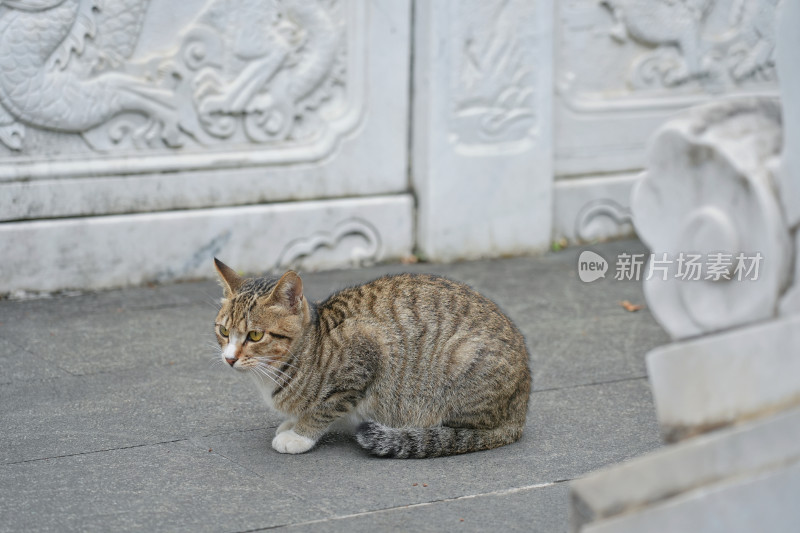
<point x="228" y="277"/>
<point x="289" y="290"/>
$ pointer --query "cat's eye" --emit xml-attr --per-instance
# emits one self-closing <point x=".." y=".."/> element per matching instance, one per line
<point x="223" y="331"/>
<point x="255" y="336"/>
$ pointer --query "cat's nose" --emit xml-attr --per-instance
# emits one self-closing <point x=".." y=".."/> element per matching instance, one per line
<point x="231" y="361"/>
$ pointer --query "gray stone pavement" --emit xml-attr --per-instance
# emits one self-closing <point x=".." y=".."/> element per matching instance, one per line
<point x="114" y="419"/>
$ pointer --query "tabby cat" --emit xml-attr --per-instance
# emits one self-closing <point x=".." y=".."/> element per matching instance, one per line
<point x="417" y="365"/>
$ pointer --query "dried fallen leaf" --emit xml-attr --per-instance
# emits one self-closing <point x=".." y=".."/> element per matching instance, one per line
<point x="630" y="307"/>
<point x="409" y="260"/>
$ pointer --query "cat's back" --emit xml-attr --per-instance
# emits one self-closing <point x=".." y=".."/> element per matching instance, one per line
<point x="421" y="304"/>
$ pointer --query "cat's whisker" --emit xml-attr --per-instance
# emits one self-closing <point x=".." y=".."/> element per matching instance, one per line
<point x="290" y="365"/>
<point x="273" y="360"/>
<point x="277" y="371"/>
<point x="271" y="371"/>
<point x="209" y="299"/>
<point x="265" y="370"/>
<point x="294" y="357"/>
<point x="259" y="371"/>
<point x="217" y="360"/>
<point x="216" y="357"/>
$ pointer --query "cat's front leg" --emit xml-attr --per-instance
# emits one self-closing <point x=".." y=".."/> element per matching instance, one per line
<point x="286" y="425"/>
<point x="290" y="442"/>
<point x="310" y="427"/>
<point x="303" y="434"/>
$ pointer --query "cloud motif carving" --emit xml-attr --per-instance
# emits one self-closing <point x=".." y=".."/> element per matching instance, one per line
<point x="353" y="242"/>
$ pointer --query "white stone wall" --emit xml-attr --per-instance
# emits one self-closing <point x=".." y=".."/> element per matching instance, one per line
<point x="524" y="122"/>
<point x="131" y="131"/>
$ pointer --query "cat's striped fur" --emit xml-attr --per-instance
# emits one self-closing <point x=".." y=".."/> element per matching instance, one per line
<point x="428" y="366"/>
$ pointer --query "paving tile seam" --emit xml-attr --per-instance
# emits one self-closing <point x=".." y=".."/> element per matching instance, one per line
<point x="264" y="428"/>
<point x="246" y="468"/>
<point x="592" y="384"/>
<point x="503" y="492"/>
<point x="193" y="441"/>
<point x="231" y="431"/>
<point x="143" y="445"/>
<point x="90" y="452"/>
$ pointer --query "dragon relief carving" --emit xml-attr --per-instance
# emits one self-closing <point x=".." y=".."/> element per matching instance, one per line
<point x="722" y="42"/>
<point x="247" y="71"/>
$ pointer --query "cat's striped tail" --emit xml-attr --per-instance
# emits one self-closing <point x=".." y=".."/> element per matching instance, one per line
<point x="418" y="443"/>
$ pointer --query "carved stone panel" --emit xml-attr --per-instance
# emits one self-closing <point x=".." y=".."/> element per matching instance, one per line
<point x="247" y="74"/>
<point x="493" y="76"/>
<point x="198" y="89"/>
<point x="482" y="127"/>
<point x="624" y="66"/>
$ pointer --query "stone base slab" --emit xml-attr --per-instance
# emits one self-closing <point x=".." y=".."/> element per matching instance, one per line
<point x="765" y="502"/>
<point x="713" y="381"/>
<point x="744" y="478"/>
<point x="123" y="250"/>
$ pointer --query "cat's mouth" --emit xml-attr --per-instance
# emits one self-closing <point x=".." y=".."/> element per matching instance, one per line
<point x="235" y="364"/>
<point x="242" y="365"/>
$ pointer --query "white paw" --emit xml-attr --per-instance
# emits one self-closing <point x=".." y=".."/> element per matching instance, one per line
<point x="286" y="425"/>
<point x="290" y="442"/>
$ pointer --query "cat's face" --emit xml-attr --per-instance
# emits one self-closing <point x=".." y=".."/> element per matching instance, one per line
<point x="260" y="320"/>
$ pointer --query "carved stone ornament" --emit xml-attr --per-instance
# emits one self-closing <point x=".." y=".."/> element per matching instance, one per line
<point x="628" y="54"/>
<point x="493" y="79"/>
<point x="596" y="214"/>
<point x="708" y="190"/>
<point x="712" y="41"/>
<point x="226" y="73"/>
<point x="351" y="243"/>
